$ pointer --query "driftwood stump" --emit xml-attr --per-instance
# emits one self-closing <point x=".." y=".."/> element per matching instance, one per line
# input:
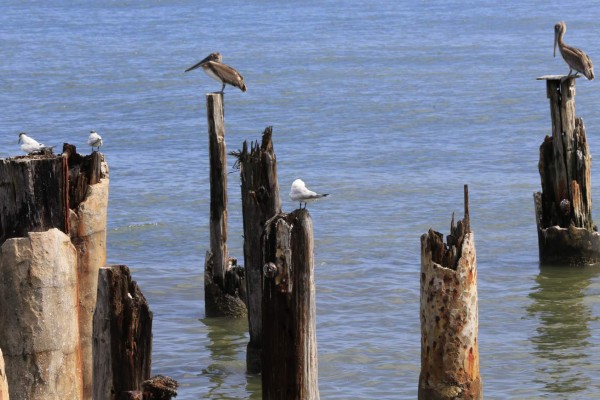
<point x="260" y="202"/>
<point x="122" y="341"/>
<point x="566" y="233"/>
<point x="449" y="321"/>
<point x="224" y="285"/>
<point x="289" y="344"/>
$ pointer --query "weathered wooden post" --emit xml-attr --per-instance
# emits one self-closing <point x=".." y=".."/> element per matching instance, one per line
<point x="260" y="202"/>
<point x="223" y="280"/>
<point x="289" y="344"/>
<point x="449" y="322"/>
<point x="122" y="339"/>
<point x="566" y="233"/>
<point x="39" y="316"/>
<point x="88" y="201"/>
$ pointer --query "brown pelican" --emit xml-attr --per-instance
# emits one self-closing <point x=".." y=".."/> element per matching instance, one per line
<point x="220" y="72"/>
<point x="574" y="57"/>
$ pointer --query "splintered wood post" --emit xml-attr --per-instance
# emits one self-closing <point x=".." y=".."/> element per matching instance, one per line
<point x="566" y="232"/>
<point x="449" y="321"/>
<point x="88" y="200"/>
<point x="122" y="340"/>
<point x="39" y="323"/>
<point x="68" y="192"/>
<point x="223" y="280"/>
<point x="260" y="202"/>
<point x="289" y="344"/>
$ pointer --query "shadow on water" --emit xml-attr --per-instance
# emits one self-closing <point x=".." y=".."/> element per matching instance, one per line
<point x="561" y="343"/>
<point x="227" y="339"/>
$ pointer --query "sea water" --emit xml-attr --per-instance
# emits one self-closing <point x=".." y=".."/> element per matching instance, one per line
<point x="389" y="106"/>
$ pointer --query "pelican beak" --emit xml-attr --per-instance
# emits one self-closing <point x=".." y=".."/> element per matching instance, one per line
<point x="555" y="43"/>
<point x="206" y="59"/>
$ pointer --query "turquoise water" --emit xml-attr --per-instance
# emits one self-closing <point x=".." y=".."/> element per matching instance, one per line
<point x="390" y="107"/>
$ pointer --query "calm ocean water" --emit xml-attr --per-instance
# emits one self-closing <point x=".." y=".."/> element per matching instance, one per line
<point x="391" y="107"/>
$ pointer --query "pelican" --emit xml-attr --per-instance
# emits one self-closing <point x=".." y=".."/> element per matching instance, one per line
<point x="575" y="58"/>
<point x="94" y="140"/>
<point x="299" y="192"/>
<point x="220" y="72"/>
<point x="30" y="145"/>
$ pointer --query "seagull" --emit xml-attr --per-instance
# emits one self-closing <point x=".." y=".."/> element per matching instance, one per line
<point x="94" y="140"/>
<point x="300" y="193"/>
<point x="575" y="58"/>
<point x="220" y="72"/>
<point x="30" y="145"/>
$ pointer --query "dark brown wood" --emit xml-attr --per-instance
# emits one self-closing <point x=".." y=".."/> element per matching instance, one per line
<point x="260" y="202"/>
<point x="224" y="285"/>
<point x="122" y="340"/>
<point x="160" y="387"/>
<point x="565" y="171"/>
<point x="289" y="345"/>
<point x="84" y="171"/>
<point x="32" y="195"/>
<point x="449" y="320"/>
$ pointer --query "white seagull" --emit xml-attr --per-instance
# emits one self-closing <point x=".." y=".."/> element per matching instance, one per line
<point x="94" y="140"/>
<point x="30" y="145"/>
<point x="300" y="193"/>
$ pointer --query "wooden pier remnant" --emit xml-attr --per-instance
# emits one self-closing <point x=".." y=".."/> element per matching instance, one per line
<point x="289" y="344"/>
<point x="224" y="284"/>
<point x="566" y="233"/>
<point x="39" y="316"/>
<point x="68" y="192"/>
<point x="122" y="340"/>
<point x="260" y="202"/>
<point x="449" y="316"/>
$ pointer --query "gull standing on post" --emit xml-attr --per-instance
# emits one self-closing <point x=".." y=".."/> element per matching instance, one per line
<point x="30" y="145"/>
<point x="220" y="72"/>
<point x="94" y="140"/>
<point x="575" y="58"/>
<point x="300" y="193"/>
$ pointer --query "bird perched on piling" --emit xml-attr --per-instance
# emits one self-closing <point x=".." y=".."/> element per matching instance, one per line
<point x="30" y="145"/>
<point x="299" y="192"/>
<point x="575" y="58"/>
<point x="94" y="140"/>
<point x="220" y="72"/>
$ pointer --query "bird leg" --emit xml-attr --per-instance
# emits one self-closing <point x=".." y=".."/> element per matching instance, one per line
<point x="223" y="88"/>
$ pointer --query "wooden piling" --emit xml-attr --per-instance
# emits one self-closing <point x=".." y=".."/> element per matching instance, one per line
<point x="449" y="321"/>
<point x="566" y="233"/>
<point x="289" y="345"/>
<point x="224" y="284"/>
<point x="260" y="202"/>
<point x="39" y="320"/>
<point x="122" y="339"/>
<point x="88" y="200"/>
<point x="68" y="192"/>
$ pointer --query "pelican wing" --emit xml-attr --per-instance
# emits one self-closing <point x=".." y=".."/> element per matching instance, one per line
<point x="227" y="74"/>
<point x="578" y="60"/>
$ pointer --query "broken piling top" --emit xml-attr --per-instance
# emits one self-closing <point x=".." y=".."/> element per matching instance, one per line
<point x="449" y="314"/>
